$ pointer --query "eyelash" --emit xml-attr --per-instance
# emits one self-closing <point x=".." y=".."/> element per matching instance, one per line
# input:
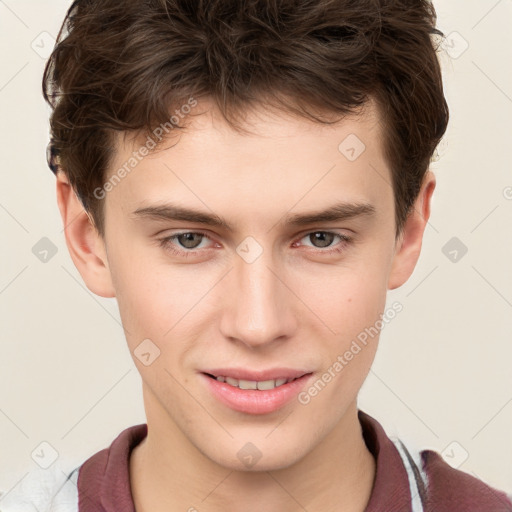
<point x="166" y="243"/>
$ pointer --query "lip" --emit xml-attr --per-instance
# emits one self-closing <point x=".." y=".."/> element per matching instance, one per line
<point x="253" y="401"/>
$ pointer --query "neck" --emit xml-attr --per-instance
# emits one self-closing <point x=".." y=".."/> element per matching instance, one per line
<point x="168" y="473"/>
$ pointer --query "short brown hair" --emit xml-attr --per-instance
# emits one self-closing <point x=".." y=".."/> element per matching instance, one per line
<point x="123" y="65"/>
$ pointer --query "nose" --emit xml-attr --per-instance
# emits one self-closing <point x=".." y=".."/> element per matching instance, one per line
<point x="260" y="307"/>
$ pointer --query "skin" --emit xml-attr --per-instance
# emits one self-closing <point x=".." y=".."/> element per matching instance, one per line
<point x="294" y="306"/>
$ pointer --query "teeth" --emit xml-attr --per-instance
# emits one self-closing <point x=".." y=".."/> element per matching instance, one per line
<point x="252" y="384"/>
<point x="247" y="384"/>
<point x="267" y="384"/>
<point x="231" y="381"/>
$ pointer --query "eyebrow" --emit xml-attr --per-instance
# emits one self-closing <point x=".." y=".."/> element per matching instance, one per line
<point x="336" y="212"/>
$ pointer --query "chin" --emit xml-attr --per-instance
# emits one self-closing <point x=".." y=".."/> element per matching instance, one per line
<point x="254" y="457"/>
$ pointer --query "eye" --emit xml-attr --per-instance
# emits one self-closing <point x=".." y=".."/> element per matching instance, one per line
<point x="188" y="240"/>
<point x="324" y="239"/>
<point x="188" y="243"/>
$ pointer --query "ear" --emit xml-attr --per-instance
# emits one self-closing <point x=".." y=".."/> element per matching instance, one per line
<point x="85" y="245"/>
<point x="409" y="243"/>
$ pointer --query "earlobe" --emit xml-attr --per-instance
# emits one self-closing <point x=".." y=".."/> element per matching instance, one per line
<point x="86" y="246"/>
<point x="409" y="245"/>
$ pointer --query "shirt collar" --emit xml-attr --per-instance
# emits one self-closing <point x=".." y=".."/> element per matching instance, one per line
<point x="104" y="478"/>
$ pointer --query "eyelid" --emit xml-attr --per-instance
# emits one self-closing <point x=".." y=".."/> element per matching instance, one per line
<point x="338" y="247"/>
<point x="186" y="232"/>
<point x="332" y="231"/>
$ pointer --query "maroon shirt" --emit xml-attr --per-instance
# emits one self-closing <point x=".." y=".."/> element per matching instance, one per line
<point x="104" y="478"/>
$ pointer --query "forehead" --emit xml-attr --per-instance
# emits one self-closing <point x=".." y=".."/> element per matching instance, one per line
<point x="283" y="160"/>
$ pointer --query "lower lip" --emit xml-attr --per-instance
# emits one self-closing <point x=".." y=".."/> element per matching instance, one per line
<point x="254" y="401"/>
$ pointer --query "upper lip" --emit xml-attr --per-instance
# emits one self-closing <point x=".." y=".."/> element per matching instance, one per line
<point x="257" y="375"/>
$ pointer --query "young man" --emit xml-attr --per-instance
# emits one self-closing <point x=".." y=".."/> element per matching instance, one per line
<point x="248" y="179"/>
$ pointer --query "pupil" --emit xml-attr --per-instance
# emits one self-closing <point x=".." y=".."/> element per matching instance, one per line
<point x="189" y="240"/>
<point x="320" y="236"/>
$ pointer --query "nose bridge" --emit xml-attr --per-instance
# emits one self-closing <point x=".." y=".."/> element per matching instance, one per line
<point x="259" y="310"/>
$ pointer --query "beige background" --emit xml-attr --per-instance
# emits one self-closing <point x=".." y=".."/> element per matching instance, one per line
<point x="443" y="370"/>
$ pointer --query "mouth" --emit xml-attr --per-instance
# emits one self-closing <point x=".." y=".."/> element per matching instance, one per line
<point x="262" y="385"/>
<point x="255" y="393"/>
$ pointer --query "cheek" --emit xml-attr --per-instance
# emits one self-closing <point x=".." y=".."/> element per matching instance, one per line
<point x="142" y="292"/>
<point x="345" y="297"/>
<point x="149" y="304"/>
<point x="353" y="311"/>
<point x="158" y="300"/>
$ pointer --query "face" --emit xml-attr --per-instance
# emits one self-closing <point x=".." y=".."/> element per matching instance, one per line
<point x="263" y="286"/>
